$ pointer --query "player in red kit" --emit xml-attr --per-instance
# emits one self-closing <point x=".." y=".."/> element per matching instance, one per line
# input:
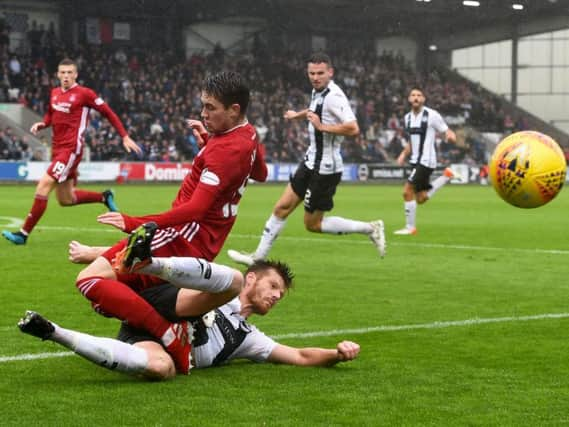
<point x="68" y="115"/>
<point x="198" y="223"/>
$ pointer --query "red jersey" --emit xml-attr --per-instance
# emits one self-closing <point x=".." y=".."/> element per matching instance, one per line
<point x="68" y="115"/>
<point x="206" y="205"/>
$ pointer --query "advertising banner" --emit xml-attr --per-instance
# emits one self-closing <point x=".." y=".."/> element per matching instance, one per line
<point x="153" y="171"/>
<point x="13" y="171"/>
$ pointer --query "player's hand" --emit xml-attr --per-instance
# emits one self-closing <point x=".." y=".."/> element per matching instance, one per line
<point x="36" y="127"/>
<point x="78" y="253"/>
<point x="129" y="145"/>
<point x="347" y="350"/>
<point x="198" y="130"/>
<point x="290" y="115"/>
<point x="401" y="160"/>
<point x="112" y="218"/>
<point x="313" y="118"/>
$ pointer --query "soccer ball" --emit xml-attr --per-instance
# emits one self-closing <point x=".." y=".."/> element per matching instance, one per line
<point x="528" y="169"/>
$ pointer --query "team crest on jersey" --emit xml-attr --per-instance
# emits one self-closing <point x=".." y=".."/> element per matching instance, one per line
<point x="72" y="98"/>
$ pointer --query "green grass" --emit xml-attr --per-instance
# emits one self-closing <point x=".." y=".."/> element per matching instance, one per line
<point x="475" y="257"/>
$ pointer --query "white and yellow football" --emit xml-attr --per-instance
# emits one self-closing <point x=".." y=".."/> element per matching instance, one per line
<point x="528" y="169"/>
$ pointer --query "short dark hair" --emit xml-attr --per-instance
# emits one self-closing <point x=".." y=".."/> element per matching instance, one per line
<point x="282" y="269"/>
<point x="229" y="88"/>
<point x="67" y="61"/>
<point x="319" y="58"/>
<point x="416" y="87"/>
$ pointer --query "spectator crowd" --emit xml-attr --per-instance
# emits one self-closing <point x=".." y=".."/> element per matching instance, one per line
<point x="153" y="92"/>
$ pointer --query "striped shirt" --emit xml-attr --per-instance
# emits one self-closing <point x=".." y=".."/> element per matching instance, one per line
<point x="423" y="150"/>
<point x="333" y="108"/>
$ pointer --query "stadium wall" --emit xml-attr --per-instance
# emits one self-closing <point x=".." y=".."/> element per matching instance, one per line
<point x="204" y="36"/>
<point x="20" y="14"/>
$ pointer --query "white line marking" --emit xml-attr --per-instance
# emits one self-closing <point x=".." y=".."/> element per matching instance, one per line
<point x="345" y="241"/>
<point x="355" y="331"/>
<point x="434" y="325"/>
<point x="35" y="356"/>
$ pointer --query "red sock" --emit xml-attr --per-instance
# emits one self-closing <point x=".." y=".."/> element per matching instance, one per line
<point x="117" y="299"/>
<point x="38" y="208"/>
<point x="83" y="196"/>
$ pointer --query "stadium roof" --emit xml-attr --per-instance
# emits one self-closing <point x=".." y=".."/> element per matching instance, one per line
<point x="377" y="17"/>
<point x="421" y="16"/>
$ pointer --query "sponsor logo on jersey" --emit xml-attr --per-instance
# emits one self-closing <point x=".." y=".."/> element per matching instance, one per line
<point x="64" y="107"/>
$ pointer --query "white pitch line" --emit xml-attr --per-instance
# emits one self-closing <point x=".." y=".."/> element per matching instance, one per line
<point x="35" y="356"/>
<point x="347" y="241"/>
<point x="355" y="331"/>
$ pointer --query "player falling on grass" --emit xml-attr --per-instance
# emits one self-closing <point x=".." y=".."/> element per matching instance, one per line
<point x="200" y="219"/>
<point x="330" y="118"/>
<point x="422" y="124"/>
<point x="218" y="336"/>
<point x="68" y="115"/>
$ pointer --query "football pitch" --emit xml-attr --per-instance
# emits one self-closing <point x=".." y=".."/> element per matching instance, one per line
<point x="465" y="323"/>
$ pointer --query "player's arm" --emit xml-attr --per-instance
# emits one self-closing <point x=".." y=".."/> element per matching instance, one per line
<point x="314" y="356"/>
<point x="102" y="107"/>
<point x="259" y="170"/>
<point x="295" y="115"/>
<point x="339" y="106"/>
<point x="36" y="127"/>
<point x="195" y="209"/>
<point x="199" y="131"/>
<point x="404" y="154"/>
<point x="442" y="128"/>
<point x="344" y="129"/>
<point x="450" y="136"/>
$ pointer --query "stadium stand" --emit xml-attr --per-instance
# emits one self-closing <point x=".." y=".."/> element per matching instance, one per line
<point x="154" y="91"/>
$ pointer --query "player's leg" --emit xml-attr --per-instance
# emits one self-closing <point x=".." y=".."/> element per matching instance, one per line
<point x="319" y="198"/>
<point x="109" y="296"/>
<point x="160" y="365"/>
<point x="409" y="205"/>
<point x="183" y="272"/>
<point x="108" y="353"/>
<point x="45" y="186"/>
<point x="196" y="273"/>
<point x="286" y="204"/>
<point x="83" y="254"/>
<point x="422" y="184"/>
<point x="441" y="181"/>
<point x="68" y="195"/>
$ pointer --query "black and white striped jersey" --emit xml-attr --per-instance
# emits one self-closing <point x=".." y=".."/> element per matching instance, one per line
<point x="422" y="129"/>
<point x="333" y="107"/>
<point x="229" y="337"/>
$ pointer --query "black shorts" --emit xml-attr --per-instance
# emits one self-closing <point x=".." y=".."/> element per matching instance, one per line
<point x="163" y="299"/>
<point x="316" y="190"/>
<point x="420" y="178"/>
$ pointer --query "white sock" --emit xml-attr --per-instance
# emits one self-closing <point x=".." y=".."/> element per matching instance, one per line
<point x="338" y="225"/>
<point x="410" y="213"/>
<point x="106" y="352"/>
<point x="191" y="273"/>
<point x="436" y="184"/>
<point x="272" y="229"/>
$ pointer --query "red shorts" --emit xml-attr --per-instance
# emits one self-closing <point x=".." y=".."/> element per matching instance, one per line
<point x="64" y="164"/>
<point x="179" y="247"/>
